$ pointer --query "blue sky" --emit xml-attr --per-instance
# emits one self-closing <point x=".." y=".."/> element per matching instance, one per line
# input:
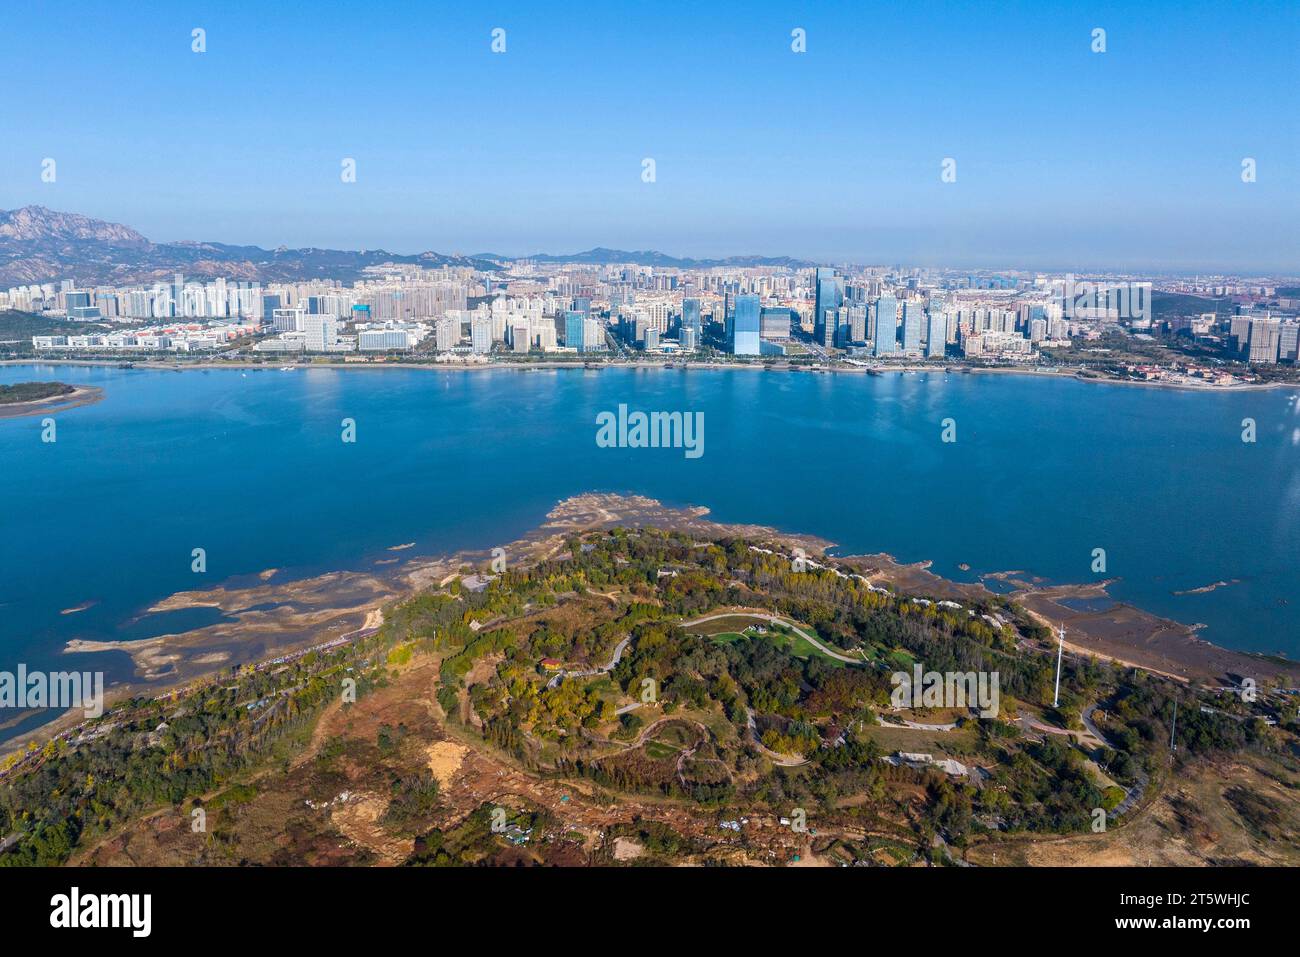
<point x="1065" y="158"/>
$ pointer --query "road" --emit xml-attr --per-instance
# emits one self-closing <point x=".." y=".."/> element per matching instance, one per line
<point x="1033" y="724"/>
<point x="1133" y="794"/>
<point x="591" y="672"/>
<point x="1092" y="728"/>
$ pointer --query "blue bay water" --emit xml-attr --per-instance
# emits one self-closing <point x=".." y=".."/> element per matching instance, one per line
<point x="250" y="467"/>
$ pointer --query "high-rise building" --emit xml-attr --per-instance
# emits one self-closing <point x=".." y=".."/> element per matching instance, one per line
<point x="448" y="334"/>
<point x="520" y="334"/>
<point x="830" y="295"/>
<point x="480" y="335"/>
<point x="1239" y="329"/>
<point x="774" y="323"/>
<point x="1289" y="342"/>
<point x="745" y="327"/>
<point x="288" y="320"/>
<point x="1265" y="338"/>
<point x="886" y="326"/>
<point x="936" y="335"/>
<point x="322" y="332"/>
<point x="270" y="303"/>
<point x="857" y="332"/>
<point x="574" y="329"/>
<point x="76" y="300"/>
<point x="912" y="318"/>
<point x="691" y="316"/>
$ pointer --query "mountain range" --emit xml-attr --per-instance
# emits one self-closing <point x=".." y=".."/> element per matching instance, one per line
<point x="601" y="256"/>
<point x="42" y="245"/>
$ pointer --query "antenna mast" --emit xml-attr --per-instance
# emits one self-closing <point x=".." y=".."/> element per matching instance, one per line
<point x="1060" y="650"/>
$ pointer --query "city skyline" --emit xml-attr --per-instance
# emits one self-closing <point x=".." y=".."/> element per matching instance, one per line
<point x="1064" y="157"/>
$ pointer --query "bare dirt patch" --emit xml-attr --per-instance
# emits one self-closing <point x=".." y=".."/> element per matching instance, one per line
<point x="359" y="820"/>
<point x="445" y="758"/>
<point x="626" y="849"/>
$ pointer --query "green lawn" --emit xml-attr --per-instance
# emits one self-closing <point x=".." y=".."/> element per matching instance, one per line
<point x="798" y="646"/>
<point x="658" y="750"/>
<point x="941" y="744"/>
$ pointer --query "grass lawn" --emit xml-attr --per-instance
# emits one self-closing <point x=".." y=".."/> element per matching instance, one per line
<point x="729" y="637"/>
<point x="659" y="749"/>
<point x="901" y="659"/>
<point x="800" y="647"/>
<point x="939" y="743"/>
<point x="729" y="624"/>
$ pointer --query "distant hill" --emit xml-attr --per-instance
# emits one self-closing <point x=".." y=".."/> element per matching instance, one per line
<point x="41" y="245"/>
<point x="17" y="329"/>
<point x="1166" y="304"/>
<point x="601" y="256"/>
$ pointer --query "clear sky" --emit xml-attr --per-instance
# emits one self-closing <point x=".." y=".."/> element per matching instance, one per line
<point x="1064" y="157"/>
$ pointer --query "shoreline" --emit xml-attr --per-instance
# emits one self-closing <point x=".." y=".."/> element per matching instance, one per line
<point x="667" y="364"/>
<point x="1124" y="634"/>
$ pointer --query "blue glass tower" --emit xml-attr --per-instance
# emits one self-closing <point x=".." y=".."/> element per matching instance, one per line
<point x="886" y="326"/>
<point x="745" y="327"/>
<point x="691" y="316"/>
<point x="574" y="322"/>
<point x="830" y="295"/>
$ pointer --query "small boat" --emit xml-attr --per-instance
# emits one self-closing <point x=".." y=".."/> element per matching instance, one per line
<point x="286" y="368"/>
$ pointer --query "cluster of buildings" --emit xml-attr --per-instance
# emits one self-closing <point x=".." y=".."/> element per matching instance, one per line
<point x="524" y="306"/>
<point x="1264" y="338"/>
<point x="387" y="292"/>
<point x="173" y="337"/>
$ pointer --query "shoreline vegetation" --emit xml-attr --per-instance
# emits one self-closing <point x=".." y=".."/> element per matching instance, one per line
<point x="666" y="363"/>
<point x="32" y="391"/>
<point x="263" y="619"/>
<point x="35" y="398"/>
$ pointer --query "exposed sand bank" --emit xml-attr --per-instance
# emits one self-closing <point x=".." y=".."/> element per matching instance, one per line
<point x="79" y="396"/>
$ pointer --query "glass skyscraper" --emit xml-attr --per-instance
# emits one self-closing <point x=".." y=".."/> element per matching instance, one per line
<point x="691" y="316"/>
<point x="830" y="295"/>
<point x="937" y="336"/>
<point x="912" y="319"/>
<point x="886" y="326"/>
<point x="745" y="327"/>
<point x="574" y="324"/>
<point x="270" y="303"/>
